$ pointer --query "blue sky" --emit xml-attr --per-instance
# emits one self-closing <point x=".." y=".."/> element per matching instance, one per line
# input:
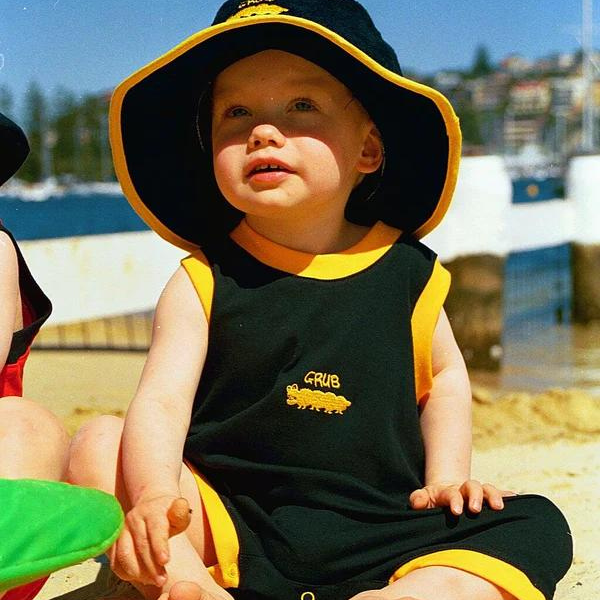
<point x="91" y="45"/>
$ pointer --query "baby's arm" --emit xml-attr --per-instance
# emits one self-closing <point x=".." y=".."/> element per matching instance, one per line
<point x="155" y="429"/>
<point x="9" y="286"/>
<point x="446" y="426"/>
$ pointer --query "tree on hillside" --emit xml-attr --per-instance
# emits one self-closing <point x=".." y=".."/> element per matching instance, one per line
<point x="482" y="64"/>
<point x="64" y="124"/>
<point x="35" y="115"/>
<point x="470" y="124"/>
<point x="92" y="139"/>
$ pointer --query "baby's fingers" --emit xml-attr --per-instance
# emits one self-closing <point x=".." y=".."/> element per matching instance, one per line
<point x="472" y="492"/>
<point x="451" y="497"/>
<point x="494" y="496"/>
<point x="419" y="499"/>
<point x="144" y="534"/>
<point x="158" y="537"/>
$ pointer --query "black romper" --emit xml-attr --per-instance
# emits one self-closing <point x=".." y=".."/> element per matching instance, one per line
<point x="305" y="432"/>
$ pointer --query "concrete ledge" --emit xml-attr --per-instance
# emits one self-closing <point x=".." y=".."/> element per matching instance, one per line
<point x="586" y="282"/>
<point x="475" y="308"/>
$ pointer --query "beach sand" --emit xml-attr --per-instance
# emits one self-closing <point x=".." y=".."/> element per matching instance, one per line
<point x="546" y="443"/>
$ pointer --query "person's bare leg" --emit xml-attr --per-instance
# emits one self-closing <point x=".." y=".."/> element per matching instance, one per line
<point x="95" y="462"/>
<point x="33" y="442"/>
<point x="438" y="583"/>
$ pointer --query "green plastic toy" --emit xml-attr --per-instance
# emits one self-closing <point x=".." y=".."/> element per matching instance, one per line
<point x="47" y="525"/>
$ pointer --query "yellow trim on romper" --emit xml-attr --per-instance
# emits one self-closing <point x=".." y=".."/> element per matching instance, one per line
<point x="120" y="163"/>
<point x="226" y="572"/>
<point x="199" y="270"/>
<point x="423" y="321"/>
<point x="498" y="572"/>
<point x="366" y="252"/>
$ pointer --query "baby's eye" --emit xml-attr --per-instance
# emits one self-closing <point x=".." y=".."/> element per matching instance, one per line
<point x="303" y="105"/>
<point x="237" y="111"/>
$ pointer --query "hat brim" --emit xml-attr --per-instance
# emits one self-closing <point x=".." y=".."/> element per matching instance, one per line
<point x="13" y="148"/>
<point x="167" y="177"/>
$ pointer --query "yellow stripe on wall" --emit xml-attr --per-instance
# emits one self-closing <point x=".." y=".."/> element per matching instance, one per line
<point x="498" y="572"/>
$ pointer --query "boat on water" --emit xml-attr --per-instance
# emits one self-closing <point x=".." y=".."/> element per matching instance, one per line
<point x="52" y="187"/>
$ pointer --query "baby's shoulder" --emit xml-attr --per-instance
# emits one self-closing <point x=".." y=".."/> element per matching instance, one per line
<point x="9" y="263"/>
<point x="8" y="252"/>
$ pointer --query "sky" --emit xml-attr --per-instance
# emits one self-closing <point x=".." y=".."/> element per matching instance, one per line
<point x="89" y="46"/>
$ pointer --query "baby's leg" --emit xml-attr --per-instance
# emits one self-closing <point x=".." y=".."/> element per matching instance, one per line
<point x="437" y="583"/>
<point x="95" y="462"/>
<point x="33" y="442"/>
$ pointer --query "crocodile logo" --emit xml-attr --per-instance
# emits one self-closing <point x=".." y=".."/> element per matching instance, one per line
<point x="259" y="10"/>
<point x="304" y="398"/>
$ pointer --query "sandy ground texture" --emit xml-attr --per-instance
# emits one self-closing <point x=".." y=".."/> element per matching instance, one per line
<point x="546" y="443"/>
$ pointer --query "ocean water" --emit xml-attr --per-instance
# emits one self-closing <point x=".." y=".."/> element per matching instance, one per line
<point x="560" y="356"/>
<point x="68" y="214"/>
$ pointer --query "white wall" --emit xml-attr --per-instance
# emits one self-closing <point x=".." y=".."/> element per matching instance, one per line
<point x="540" y="224"/>
<point x="583" y="184"/>
<point x="476" y="220"/>
<point x="101" y="275"/>
<point x="482" y="220"/>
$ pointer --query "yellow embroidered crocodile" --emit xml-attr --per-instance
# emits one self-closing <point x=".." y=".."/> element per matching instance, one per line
<point x="258" y="11"/>
<point x="316" y="400"/>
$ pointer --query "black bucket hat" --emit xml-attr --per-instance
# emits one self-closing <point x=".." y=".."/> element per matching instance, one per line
<point x="13" y="148"/>
<point x="160" y="158"/>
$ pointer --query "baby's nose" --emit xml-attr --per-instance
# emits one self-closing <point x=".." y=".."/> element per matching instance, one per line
<point x="265" y="135"/>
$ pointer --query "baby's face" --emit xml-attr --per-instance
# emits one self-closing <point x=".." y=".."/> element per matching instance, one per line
<point x="288" y="136"/>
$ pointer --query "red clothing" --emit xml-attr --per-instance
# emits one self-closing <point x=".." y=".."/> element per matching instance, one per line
<point x="11" y="377"/>
<point x="27" y="591"/>
<point x="36" y="309"/>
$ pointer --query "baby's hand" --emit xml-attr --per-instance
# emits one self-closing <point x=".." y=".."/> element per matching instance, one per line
<point x="454" y="495"/>
<point x="142" y="550"/>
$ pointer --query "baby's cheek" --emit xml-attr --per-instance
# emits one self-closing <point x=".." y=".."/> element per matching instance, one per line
<point x="324" y="158"/>
<point x="224" y="170"/>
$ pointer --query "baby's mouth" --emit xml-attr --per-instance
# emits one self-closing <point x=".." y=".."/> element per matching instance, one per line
<point x="272" y="168"/>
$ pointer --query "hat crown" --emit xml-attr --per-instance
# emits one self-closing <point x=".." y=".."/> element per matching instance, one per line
<point x="346" y="18"/>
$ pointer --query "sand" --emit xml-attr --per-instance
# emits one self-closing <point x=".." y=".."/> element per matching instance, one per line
<point x="546" y="443"/>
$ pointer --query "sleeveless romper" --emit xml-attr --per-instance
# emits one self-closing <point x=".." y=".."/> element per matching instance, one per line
<point x="305" y="435"/>
<point x="36" y="309"/>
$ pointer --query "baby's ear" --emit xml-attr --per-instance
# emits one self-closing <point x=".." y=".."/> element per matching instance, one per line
<point x="371" y="156"/>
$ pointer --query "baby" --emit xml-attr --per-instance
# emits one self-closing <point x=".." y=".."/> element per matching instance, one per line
<point x="303" y="393"/>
